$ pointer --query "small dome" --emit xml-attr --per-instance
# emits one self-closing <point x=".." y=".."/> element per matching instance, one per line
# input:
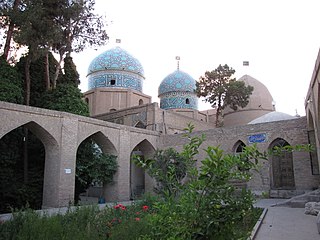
<point x="115" y="68"/>
<point x="177" y="91"/>
<point x="272" y="117"/>
<point x="178" y="81"/>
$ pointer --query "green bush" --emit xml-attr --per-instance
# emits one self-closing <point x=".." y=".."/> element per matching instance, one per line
<point x="209" y="206"/>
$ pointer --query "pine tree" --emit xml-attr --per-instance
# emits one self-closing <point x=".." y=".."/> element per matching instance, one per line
<point x="220" y="89"/>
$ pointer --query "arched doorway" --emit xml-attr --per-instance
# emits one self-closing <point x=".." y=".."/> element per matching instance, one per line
<point x="137" y="175"/>
<point x="95" y="154"/>
<point x="282" y="166"/>
<point x="239" y="147"/>
<point x="26" y="155"/>
<point x="313" y="142"/>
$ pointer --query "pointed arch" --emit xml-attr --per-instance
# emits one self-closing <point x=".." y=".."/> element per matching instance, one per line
<point x="100" y="143"/>
<point x="140" y="124"/>
<point x="312" y="141"/>
<point x="317" y="107"/>
<point x="310" y="120"/>
<point x="238" y="146"/>
<point x="144" y="149"/>
<point x="282" y="172"/>
<point x="51" y="172"/>
<point x="103" y="141"/>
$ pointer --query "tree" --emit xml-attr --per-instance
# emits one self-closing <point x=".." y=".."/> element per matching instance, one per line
<point x="10" y="83"/>
<point x="221" y="90"/>
<point x="78" y="28"/>
<point x="60" y="26"/>
<point x="5" y="8"/>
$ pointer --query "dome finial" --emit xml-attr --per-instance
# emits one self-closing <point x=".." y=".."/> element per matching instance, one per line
<point x="178" y="59"/>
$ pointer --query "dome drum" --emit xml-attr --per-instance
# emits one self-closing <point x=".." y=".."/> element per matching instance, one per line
<point x="115" y="79"/>
<point x="176" y="100"/>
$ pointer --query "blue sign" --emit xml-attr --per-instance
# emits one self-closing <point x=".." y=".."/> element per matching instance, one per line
<point x="257" y="138"/>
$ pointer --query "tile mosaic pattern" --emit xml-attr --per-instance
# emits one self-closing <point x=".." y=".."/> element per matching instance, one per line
<point x="115" y="79"/>
<point x="175" y="100"/>
<point x="177" y="90"/>
<point x="177" y="81"/>
<point x="115" y="68"/>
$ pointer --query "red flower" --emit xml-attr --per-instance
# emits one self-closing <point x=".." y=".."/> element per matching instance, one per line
<point x="137" y="213"/>
<point x="137" y="219"/>
<point x="145" y="208"/>
<point x="119" y="206"/>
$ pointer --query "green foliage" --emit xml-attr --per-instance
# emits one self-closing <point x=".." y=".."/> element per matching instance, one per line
<point x="14" y="192"/>
<point x="168" y="168"/>
<point x="67" y="98"/>
<point x="237" y="95"/>
<point x="77" y="224"/>
<point x="93" y="166"/>
<point x="71" y="75"/>
<point x="221" y="90"/>
<point x="116" y="222"/>
<point x="208" y="206"/>
<point x="37" y="70"/>
<point x="280" y="150"/>
<point x="63" y="26"/>
<point x="10" y="83"/>
<point x="172" y="169"/>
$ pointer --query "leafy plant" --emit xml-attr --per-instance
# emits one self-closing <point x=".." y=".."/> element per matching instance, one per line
<point x="168" y="167"/>
<point x="208" y="206"/>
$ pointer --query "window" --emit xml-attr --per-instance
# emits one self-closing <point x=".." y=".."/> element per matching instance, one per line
<point x="187" y="101"/>
<point x="140" y="102"/>
<point x="113" y="82"/>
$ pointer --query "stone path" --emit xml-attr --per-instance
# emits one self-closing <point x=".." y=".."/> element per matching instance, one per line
<point x="286" y="223"/>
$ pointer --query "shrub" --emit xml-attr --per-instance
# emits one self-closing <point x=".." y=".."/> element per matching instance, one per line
<point x="208" y="205"/>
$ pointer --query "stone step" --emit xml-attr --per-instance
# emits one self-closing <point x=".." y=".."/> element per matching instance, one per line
<point x="298" y="203"/>
<point x="285" y="193"/>
<point x="313" y="198"/>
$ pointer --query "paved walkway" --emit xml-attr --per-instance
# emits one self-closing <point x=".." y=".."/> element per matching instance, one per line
<point x="286" y="223"/>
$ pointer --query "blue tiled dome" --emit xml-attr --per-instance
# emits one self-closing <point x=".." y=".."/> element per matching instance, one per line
<point x="178" y="81"/>
<point x="115" y="68"/>
<point x="177" y="90"/>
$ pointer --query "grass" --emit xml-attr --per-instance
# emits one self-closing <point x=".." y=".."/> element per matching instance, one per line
<point x="88" y="222"/>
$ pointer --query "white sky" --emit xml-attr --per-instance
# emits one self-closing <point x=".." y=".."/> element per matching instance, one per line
<point x="280" y="39"/>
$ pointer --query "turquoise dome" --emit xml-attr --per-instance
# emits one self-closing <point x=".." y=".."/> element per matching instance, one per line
<point x="178" y="81"/>
<point x="115" y="68"/>
<point x="177" y="90"/>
